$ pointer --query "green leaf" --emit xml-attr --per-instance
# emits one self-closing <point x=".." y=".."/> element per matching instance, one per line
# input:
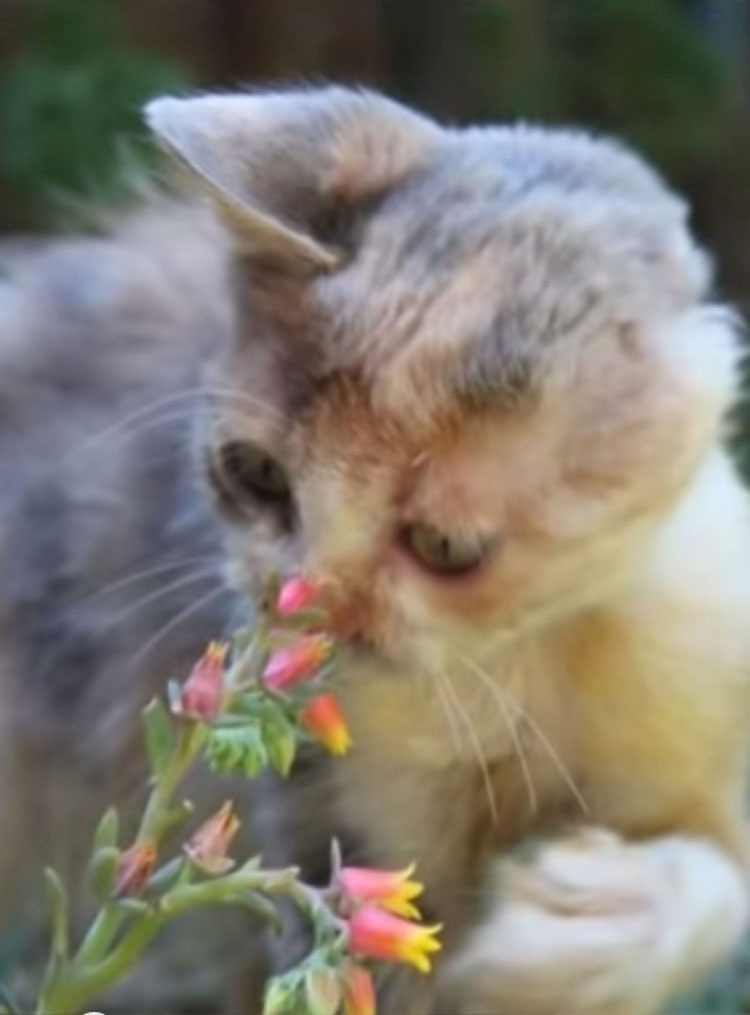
<point x="108" y="830"/>
<point x="57" y="899"/>
<point x="103" y="871"/>
<point x="159" y="735"/>
<point x="280" y="742"/>
<point x="280" y="997"/>
<point x="167" y="875"/>
<point x="237" y="749"/>
<point x="322" y="991"/>
<point x="137" y="907"/>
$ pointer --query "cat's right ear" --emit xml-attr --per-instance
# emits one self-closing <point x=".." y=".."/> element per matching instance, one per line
<point x="280" y="165"/>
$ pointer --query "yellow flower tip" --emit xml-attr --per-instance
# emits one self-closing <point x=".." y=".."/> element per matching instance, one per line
<point x="339" y="743"/>
<point x="417" y="951"/>
<point x="217" y="652"/>
<point x="401" y="908"/>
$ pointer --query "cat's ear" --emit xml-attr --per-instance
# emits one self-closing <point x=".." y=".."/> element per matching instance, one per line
<point x="278" y="165"/>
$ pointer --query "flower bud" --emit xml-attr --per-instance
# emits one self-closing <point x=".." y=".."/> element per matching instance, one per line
<point x="298" y="662"/>
<point x="208" y="847"/>
<point x="203" y="692"/>
<point x="134" y="868"/>
<point x="375" y="934"/>
<point x="296" y="595"/>
<point x="323" y="719"/>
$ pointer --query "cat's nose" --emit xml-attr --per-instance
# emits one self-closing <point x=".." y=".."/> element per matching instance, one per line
<point x="345" y="610"/>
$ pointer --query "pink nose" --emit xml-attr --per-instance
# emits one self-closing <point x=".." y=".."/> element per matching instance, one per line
<point x="346" y="611"/>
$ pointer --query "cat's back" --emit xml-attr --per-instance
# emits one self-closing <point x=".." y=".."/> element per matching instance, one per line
<point x="104" y="340"/>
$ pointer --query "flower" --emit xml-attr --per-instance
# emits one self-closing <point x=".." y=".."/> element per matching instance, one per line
<point x="391" y="890"/>
<point x="375" y="934"/>
<point x="203" y="691"/>
<point x="296" y="595"/>
<point x="208" y="847"/>
<point x="359" y="990"/>
<point x="134" y="867"/>
<point x="323" y="719"/>
<point x="290" y="666"/>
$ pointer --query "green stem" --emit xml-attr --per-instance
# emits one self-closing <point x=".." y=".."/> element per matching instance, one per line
<point x="80" y="982"/>
<point x="189" y="742"/>
<point x="70" y="985"/>
<point x="76" y="986"/>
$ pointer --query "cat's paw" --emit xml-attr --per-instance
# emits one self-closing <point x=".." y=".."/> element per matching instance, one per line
<point x="597" y="926"/>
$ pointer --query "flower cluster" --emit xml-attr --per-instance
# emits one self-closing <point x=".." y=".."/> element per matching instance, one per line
<point x="244" y="708"/>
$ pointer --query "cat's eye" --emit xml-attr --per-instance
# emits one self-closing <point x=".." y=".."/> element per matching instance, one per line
<point x="244" y="470"/>
<point x="442" y="553"/>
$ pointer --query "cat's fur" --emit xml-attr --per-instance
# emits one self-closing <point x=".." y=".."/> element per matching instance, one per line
<point x="501" y="332"/>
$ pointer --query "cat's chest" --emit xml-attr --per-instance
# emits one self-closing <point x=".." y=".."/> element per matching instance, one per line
<point x="446" y="776"/>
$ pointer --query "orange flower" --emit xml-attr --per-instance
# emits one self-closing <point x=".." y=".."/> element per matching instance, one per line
<point x="296" y="595"/>
<point x="359" y="990"/>
<point x="208" y="847"/>
<point x="375" y="934"/>
<point x="134" y="868"/>
<point x="290" y="666"/>
<point x="391" y="890"/>
<point x="323" y="718"/>
<point x="203" y="691"/>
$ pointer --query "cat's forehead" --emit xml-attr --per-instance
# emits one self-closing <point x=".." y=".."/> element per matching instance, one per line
<point x="499" y="262"/>
<point x="467" y="278"/>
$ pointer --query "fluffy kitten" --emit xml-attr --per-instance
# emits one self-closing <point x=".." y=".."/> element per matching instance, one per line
<point x="470" y="377"/>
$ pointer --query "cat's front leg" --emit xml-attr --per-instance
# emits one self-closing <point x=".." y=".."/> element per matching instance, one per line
<point x="595" y="924"/>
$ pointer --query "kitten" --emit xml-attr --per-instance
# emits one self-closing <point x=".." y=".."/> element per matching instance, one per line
<point x="473" y="379"/>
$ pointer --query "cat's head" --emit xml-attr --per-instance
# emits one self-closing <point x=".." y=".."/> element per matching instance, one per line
<point x="473" y="368"/>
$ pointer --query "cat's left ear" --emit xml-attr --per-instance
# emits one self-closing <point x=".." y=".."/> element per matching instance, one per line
<point x="280" y="165"/>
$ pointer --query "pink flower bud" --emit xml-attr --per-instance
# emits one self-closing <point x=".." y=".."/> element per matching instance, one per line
<point x="297" y="594"/>
<point x="290" y="666"/>
<point x="391" y="890"/>
<point x="134" y="868"/>
<point x="208" y="847"/>
<point x="203" y="691"/>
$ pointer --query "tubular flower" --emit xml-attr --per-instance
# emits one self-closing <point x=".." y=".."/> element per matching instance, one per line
<point x="375" y="934"/>
<point x="391" y="890"/>
<point x="134" y="868"/>
<point x="323" y="719"/>
<point x="208" y="847"/>
<point x="359" y="990"/>
<point x="290" y="666"/>
<point x="296" y="594"/>
<point x="203" y="691"/>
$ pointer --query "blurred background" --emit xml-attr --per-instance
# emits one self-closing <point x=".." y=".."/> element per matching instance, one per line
<point x="670" y="76"/>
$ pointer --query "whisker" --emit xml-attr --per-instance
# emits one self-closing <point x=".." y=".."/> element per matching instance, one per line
<point x="445" y="704"/>
<point x="150" y="572"/>
<point x="499" y="699"/>
<point x="175" y="621"/>
<point x="201" y="575"/>
<point x="553" y="755"/>
<point x="188" y="394"/>
<point x="477" y="746"/>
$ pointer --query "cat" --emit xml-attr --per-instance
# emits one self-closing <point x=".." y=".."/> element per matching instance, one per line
<point x="472" y="379"/>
